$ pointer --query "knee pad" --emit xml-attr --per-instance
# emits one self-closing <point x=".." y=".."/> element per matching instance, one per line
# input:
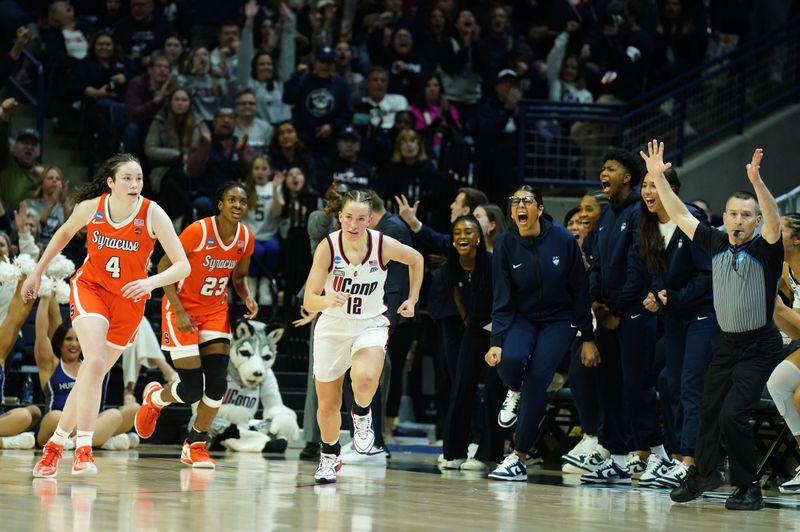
<point x="215" y="368"/>
<point x="781" y="386"/>
<point x="189" y="389"/>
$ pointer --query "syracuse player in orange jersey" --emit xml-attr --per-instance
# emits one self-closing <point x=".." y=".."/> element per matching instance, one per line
<point x="195" y="326"/>
<point x="107" y="293"/>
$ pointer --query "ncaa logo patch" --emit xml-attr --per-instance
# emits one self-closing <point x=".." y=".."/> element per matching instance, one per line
<point x="210" y="242"/>
<point x="98" y="215"/>
<point x="337" y="259"/>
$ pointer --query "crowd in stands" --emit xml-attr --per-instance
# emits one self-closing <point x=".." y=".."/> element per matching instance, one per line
<point x="302" y="100"/>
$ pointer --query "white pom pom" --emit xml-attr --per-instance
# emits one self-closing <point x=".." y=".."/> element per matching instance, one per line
<point x="47" y="286"/>
<point x="60" y="267"/>
<point x="25" y="264"/>
<point x="62" y="293"/>
<point x="9" y="273"/>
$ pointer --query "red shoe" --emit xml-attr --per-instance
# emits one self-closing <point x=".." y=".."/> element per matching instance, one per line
<point x="147" y="415"/>
<point x="196" y="455"/>
<point x="82" y="462"/>
<point x="47" y="466"/>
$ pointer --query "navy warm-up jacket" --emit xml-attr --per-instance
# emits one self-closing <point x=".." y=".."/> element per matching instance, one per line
<point x="541" y="279"/>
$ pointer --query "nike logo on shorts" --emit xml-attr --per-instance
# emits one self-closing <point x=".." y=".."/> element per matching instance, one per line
<point x="517" y="265"/>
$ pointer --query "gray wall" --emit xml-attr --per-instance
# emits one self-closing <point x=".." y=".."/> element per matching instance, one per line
<point x="714" y="173"/>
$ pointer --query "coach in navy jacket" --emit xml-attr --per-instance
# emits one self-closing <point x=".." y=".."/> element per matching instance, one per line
<point x="541" y="300"/>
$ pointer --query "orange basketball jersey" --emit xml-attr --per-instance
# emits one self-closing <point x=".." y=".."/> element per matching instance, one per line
<point x="117" y="253"/>
<point x="212" y="262"/>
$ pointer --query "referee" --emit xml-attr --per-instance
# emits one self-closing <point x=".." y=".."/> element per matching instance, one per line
<point x="745" y="272"/>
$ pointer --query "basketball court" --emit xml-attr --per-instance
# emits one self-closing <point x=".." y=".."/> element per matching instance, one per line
<point x="149" y="489"/>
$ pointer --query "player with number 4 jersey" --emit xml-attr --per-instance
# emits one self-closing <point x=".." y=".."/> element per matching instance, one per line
<point x="195" y="327"/>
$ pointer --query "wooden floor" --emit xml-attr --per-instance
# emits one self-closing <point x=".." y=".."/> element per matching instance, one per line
<point x="148" y="489"/>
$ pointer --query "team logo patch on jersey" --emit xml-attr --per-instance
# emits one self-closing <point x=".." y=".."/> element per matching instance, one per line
<point x="556" y="260"/>
<point x="98" y="215"/>
<point x="138" y="222"/>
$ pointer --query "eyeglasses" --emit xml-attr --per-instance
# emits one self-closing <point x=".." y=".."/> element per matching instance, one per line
<point x="526" y="200"/>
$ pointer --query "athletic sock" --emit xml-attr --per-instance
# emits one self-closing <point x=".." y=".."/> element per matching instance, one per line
<point x="620" y="460"/>
<point x="84" y="438"/>
<point x="155" y="398"/>
<point x="360" y="410"/>
<point x="196" y="436"/>
<point x="332" y="448"/>
<point x="60" y="436"/>
<point x="660" y="451"/>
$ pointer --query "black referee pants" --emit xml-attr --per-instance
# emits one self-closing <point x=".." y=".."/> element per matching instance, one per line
<point x="734" y="383"/>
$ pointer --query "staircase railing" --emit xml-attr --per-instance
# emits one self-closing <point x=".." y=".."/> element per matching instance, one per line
<point x="38" y="100"/>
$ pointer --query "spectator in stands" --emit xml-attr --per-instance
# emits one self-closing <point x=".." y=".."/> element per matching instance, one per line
<point x="66" y="43"/>
<point x="58" y="358"/>
<point x="287" y="150"/>
<point x="299" y="201"/>
<point x="493" y="223"/>
<point x="566" y="78"/>
<point x="174" y="48"/>
<point x="537" y="310"/>
<point x="681" y="293"/>
<point x="224" y="58"/>
<point x="324" y="24"/>
<point x="142" y="31"/>
<point x="434" y="41"/>
<point x="258" y="131"/>
<point x="407" y="68"/>
<point x="679" y="45"/>
<point x="348" y="167"/>
<point x="216" y="159"/>
<point x="100" y="81"/>
<point x="499" y="42"/>
<point x="19" y="171"/>
<point x="51" y="203"/>
<point x="345" y="68"/>
<point x="143" y="99"/>
<point x="109" y="16"/>
<point x="464" y="65"/>
<point x="321" y="103"/>
<point x="411" y="173"/>
<point x="207" y="89"/>
<point x="173" y="131"/>
<point x="264" y="208"/>
<point x="10" y="62"/>
<point x="494" y="129"/>
<point x="262" y="77"/>
<point x="434" y="117"/>
<point x="624" y="54"/>
<point x="381" y="105"/>
<point x="467" y="280"/>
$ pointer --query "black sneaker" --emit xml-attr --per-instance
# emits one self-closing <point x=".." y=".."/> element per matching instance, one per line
<point x="311" y="451"/>
<point x="693" y="486"/>
<point x="745" y="498"/>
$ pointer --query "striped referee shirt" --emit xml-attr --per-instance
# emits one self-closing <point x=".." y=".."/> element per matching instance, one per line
<point x="745" y="279"/>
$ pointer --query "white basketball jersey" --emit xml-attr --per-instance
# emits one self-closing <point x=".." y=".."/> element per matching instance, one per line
<point x="364" y="282"/>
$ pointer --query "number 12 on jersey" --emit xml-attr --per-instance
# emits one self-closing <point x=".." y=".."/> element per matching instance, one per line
<point x="354" y="305"/>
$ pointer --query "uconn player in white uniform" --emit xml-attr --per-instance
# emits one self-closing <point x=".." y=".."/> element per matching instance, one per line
<point x="345" y="284"/>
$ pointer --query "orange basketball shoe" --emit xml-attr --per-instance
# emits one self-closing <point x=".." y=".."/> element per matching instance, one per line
<point x="196" y="455"/>
<point x="147" y="415"/>
<point x="47" y="466"/>
<point x="82" y="462"/>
